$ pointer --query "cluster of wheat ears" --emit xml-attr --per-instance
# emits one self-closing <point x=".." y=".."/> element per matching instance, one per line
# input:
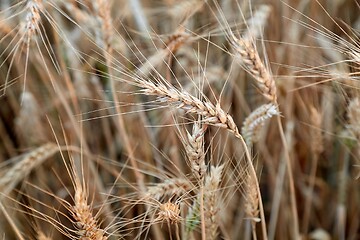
<point x="193" y="119"/>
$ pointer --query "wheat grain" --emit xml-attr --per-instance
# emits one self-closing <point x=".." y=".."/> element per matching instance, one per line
<point x="251" y="198"/>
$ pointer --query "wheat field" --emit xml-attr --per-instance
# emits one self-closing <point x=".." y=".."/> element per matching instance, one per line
<point x="193" y="119"/>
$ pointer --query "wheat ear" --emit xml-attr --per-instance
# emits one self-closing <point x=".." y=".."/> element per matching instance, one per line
<point x="211" y="201"/>
<point x="213" y="115"/>
<point x="253" y="64"/>
<point x="85" y="221"/>
<point x="170" y="187"/>
<point x="256" y="120"/>
<point x="23" y="168"/>
<point x="32" y="18"/>
<point x="256" y="23"/>
<point x="195" y="150"/>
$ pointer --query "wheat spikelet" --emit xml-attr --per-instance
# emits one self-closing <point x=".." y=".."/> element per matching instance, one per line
<point x="256" y="120"/>
<point x="86" y="223"/>
<point x="211" y="201"/>
<point x="23" y="168"/>
<point x="193" y="217"/>
<point x="169" y="187"/>
<point x="195" y="150"/>
<point x="213" y="115"/>
<point x="252" y="62"/>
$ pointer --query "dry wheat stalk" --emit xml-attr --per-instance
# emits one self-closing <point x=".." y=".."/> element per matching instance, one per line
<point x="23" y="168"/>
<point x="195" y="150"/>
<point x="85" y="221"/>
<point x="170" y="187"/>
<point x="211" y="201"/>
<point x="252" y="62"/>
<point x="316" y="145"/>
<point x="256" y="120"/>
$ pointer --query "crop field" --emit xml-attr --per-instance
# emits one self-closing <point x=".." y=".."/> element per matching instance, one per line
<point x="192" y="119"/>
